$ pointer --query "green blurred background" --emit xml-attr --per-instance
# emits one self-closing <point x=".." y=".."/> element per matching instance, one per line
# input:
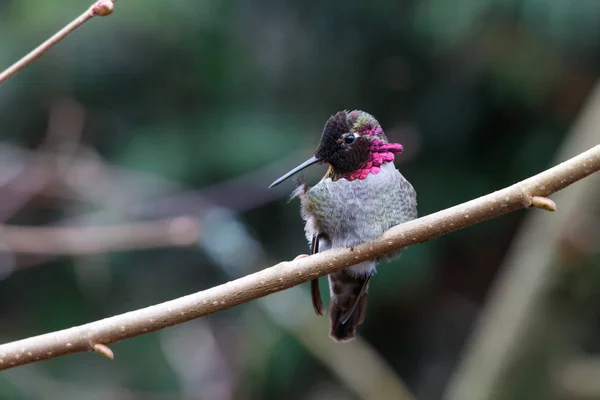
<point x="192" y="108"/>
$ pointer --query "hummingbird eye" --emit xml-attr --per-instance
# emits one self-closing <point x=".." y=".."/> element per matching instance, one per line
<point x="349" y="139"/>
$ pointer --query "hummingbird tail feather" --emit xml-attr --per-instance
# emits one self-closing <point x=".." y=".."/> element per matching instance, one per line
<point x="345" y="331"/>
<point x="348" y="305"/>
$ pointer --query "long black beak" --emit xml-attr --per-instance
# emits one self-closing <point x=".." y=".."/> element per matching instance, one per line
<point x="305" y="164"/>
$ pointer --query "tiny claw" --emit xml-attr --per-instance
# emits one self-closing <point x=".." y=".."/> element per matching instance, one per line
<point x="543" y="202"/>
<point x="103" y="350"/>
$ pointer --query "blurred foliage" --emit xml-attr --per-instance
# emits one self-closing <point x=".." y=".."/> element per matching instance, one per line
<point x="480" y="92"/>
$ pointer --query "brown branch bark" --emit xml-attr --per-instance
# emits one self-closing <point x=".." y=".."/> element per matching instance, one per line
<point x="99" y="8"/>
<point x="287" y="274"/>
<point x="522" y="327"/>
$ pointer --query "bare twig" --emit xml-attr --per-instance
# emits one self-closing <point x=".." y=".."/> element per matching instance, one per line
<point x="180" y="231"/>
<point x="287" y="274"/>
<point x="99" y="8"/>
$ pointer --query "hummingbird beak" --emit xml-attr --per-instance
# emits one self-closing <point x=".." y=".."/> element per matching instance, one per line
<point x="305" y="164"/>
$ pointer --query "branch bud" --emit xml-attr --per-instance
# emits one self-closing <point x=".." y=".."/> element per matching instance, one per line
<point x="103" y="8"/>
<point x="103" y="350"/>
<point x="543" y="202"/>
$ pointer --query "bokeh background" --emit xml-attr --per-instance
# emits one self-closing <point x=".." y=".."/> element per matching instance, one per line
<point x="134" y="162"/>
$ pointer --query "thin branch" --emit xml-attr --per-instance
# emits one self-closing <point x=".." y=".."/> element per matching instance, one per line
<point x="518" y="326"/>
<point x="99" y="8"/>
<point x="180" y="231"/>
<point x="288" y="274"/>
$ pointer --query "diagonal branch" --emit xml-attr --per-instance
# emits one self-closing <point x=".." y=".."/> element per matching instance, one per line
<point x="520" y="307"/>
<point x="287" y="274"/>
<point x="99" y="8"/>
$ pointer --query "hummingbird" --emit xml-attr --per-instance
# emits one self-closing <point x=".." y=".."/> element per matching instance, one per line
<point x="361" y="196"/>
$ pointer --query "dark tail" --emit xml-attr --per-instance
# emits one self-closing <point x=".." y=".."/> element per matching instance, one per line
<point x="348" y="305"/>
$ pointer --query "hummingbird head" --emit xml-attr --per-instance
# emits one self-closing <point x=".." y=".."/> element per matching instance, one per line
<point x="354" y="146"/>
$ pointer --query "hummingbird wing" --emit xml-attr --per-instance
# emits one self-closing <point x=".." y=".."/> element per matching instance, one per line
<point x="301" y="190"/>
<point x="314" y="284"/>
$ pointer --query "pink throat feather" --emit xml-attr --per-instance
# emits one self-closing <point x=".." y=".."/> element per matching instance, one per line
<point x="381" y="153"/>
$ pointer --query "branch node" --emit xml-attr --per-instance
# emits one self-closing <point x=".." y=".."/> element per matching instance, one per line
<point x="543" y="202"/>
<point x="102" y="8"/>
<point x="103" y="350"/>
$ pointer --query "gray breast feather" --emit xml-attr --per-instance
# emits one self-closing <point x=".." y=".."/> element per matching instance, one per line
<point x="353" y="212"/>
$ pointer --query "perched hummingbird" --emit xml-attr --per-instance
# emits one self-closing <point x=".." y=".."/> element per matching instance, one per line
<point x="361" y="196"/>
